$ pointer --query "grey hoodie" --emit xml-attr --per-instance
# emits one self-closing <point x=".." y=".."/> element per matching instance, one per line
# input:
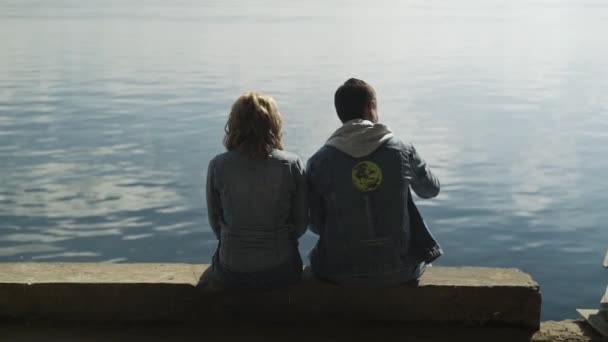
<point x="359" y="138"/>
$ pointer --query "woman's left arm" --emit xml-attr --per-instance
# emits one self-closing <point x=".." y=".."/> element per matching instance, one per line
<point x="214" y="209"/>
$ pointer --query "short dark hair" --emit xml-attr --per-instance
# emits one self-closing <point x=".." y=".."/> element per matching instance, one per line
<point x="352" y="98"/>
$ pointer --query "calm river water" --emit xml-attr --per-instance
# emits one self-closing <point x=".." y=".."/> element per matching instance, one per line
<point x="111" y="109"/>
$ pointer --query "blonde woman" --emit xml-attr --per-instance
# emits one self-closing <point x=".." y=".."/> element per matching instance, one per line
<point x="256" y="200"/>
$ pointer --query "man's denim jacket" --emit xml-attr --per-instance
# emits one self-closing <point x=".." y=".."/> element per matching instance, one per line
<point x="370" y="231"/>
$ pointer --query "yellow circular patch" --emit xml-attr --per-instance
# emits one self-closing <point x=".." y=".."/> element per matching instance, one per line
<point x="367" y="176"/>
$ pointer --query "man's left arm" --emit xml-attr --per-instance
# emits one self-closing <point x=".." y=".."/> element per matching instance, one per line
<point x="315" y="199"/>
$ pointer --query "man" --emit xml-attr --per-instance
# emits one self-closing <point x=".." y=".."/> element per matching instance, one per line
<point x="370" y="232"/>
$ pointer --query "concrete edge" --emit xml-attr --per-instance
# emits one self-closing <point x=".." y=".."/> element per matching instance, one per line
<point x="149" y="292"/>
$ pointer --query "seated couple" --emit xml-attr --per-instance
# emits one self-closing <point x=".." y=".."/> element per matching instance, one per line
<point x="354" y="193"/>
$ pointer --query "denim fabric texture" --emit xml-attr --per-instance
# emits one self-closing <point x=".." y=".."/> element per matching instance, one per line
<point x="277" y="277"/>
<point x="257" y="208"/>
<point x="370" y="231"/>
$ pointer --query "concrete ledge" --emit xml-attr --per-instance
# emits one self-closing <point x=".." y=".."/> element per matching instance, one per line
<point x="168" y="292"/>
<point x="563" y="331"/>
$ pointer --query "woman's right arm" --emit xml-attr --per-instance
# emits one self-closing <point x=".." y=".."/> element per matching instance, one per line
<point x="300" y="199"/>
<point x="214" y="208"/>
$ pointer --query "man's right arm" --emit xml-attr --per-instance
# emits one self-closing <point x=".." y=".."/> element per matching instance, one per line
<point x="424" y="183"/>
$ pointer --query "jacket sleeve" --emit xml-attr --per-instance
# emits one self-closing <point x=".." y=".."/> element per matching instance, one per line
<point x="299" y="208"/>
<point x="315" y="200"/>
<point x="424" y="183"/>
<point x="214" y="209"/>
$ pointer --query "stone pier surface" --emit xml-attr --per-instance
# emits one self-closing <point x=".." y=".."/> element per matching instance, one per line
<point x="168" y="292"/>
<point x="563" y="331"/>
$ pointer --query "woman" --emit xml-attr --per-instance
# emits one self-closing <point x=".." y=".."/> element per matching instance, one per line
<point x="256" y="200"/>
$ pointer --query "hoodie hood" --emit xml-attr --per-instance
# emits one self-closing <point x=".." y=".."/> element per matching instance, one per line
<point x="359" y="138"/>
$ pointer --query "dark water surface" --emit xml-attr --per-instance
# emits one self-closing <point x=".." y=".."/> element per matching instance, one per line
<point x="110" y="111"/>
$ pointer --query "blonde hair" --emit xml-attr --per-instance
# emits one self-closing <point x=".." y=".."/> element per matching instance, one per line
<point x="254" y="126"/>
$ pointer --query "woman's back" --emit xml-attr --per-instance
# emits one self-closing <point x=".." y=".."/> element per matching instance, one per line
<point x="256" y="199"/>
<point x="261" y="210"/>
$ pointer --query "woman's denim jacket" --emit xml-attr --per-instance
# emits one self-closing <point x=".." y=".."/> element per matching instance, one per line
<point x="257" y="209"/>
<point x="370" y="231"/>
